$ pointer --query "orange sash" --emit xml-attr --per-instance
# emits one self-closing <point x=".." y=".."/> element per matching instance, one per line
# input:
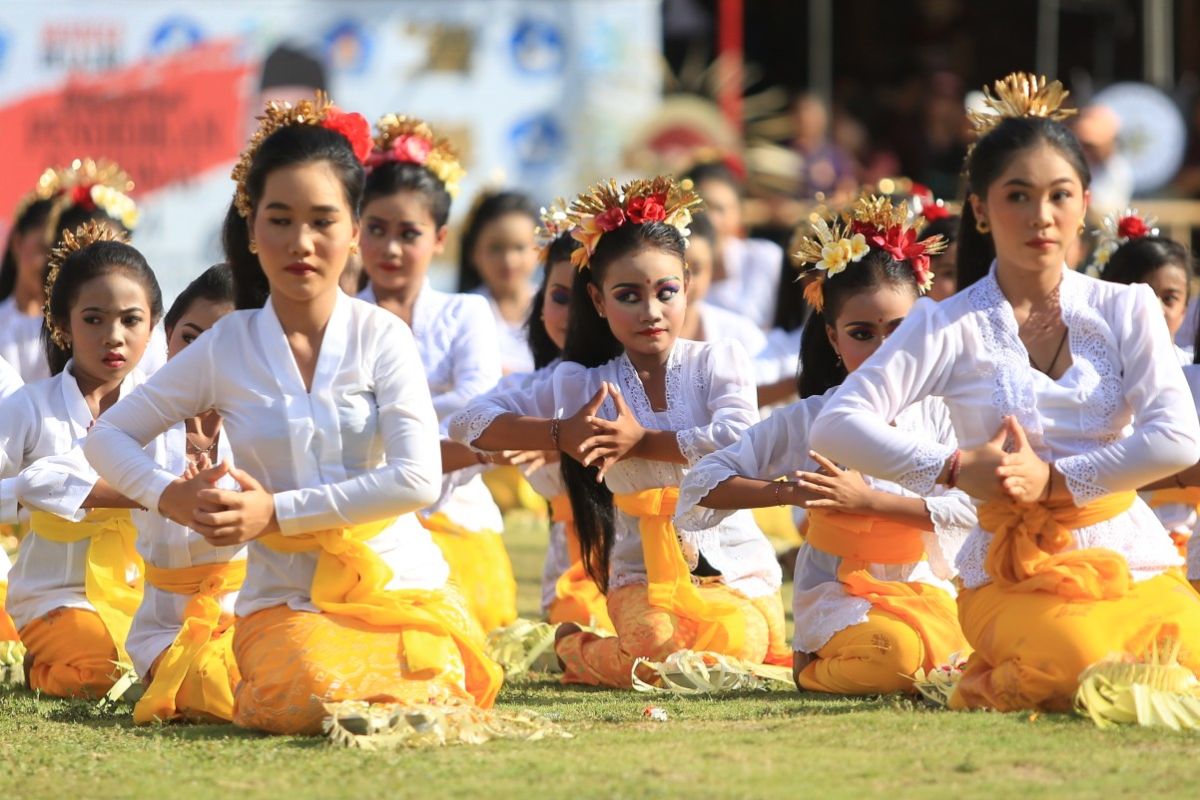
<point x="350" y="579"/>
<point x="721" y="626"/>
<point x="577" y="597"/>
<point x="1028" y="551"/>
<point x="862" y="540"/>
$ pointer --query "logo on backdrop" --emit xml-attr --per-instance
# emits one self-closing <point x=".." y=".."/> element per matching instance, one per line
<point x="175" y="34"/>
<point x="538" y="142"/>
<point x="537" y="47"/>
<point x="348" y="47"/>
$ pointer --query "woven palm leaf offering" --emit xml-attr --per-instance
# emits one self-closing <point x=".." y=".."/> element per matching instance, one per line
<point x="688" y="672"/>
<point x="1152" y="691"/>
<point x="395" y="726"/>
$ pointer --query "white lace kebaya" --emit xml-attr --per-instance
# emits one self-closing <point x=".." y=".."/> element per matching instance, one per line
<point x="1119" y="418"/>
<point x="710" y="403"/>
<point x="777" y="447"/>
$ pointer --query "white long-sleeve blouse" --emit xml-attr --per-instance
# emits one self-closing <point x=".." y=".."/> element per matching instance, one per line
<point x="60" y="484"/>
<point x="777" y="447"/>
<point x="710" y="403"/>
<point x="458" y="345"/>
<point x="1119" y="418"/>
<point x="360" y="446"/>
<point x="45" y="418"/>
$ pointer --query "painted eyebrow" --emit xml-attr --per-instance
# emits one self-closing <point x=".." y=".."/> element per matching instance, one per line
<point x="659" y="282"/>
<point x="280" y="206"/>
<point x="1023" y="182"/>
<point x="108" y="311"/>
<point x="868" y="322"/>
<point x="194" y="327"/>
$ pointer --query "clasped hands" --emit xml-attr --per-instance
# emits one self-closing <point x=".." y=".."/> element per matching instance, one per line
<point x="595" y="441"/>
<point x="1005" y="468"/>
<point x="224" y="517"/>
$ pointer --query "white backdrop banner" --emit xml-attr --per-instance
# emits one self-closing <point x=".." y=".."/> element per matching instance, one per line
<point x="539" y="94"/>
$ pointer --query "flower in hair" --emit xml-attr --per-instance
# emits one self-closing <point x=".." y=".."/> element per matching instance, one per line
<point x="605" y="207"/>
<point x="407" y="140"/>
<point x="86" y="234"/>
<point x="1117" y="229"/>
<point x="872" y="223"/>
<point x="91" y="184"/>
<point x="553" y="223"/>
<point x="1020" y="94"/>
<point x="279" y="114"/>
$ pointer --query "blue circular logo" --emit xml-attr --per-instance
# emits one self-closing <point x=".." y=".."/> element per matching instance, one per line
<point x="347" y="47"/>
<point x="538" y="142"/>
<point x="175" y="34"/>
<point x="537" y="47"/>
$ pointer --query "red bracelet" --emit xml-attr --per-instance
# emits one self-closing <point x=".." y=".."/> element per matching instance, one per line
<point x="952" y="472"/>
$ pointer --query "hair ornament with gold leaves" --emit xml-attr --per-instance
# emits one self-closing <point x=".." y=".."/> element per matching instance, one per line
<point x="90" y="184"/>
<point x="1118" y="229"/>
<point x="605" y="207"/>
<point x="1020" y="94"/>
<point x="86" y="234"/>
<point x="871" y="223"/>
<point x="278" y="114"/>
<point x="408" y="140"/>
<point x="553" y="222"/>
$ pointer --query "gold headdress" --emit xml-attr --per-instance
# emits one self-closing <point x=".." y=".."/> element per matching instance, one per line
<point x="871" y="223"/>
<point x="408" y="140"/>
<point x="604" y="207"/>
<point x="277" y="114"/>
<point x="554" y="222"/>
<point x="49" y="185"/>
<point x="86" y="234"/>
<point x="1020" y="94"/>
<point x="91" y="184"/>
<point x="1116" y="230"/>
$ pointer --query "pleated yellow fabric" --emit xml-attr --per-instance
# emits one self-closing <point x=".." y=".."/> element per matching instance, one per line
<point x="480" y="567"/>
<point x="111" y="556"/>
<point x="577" y="598"/>
<point x="205" y="584"/>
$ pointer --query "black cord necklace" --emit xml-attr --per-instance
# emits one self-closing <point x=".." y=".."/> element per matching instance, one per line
<point x="1054" y="360"/>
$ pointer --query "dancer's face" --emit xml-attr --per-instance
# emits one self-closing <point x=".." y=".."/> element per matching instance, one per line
<point x="643" y="298"/>
<point x="866" y="320"/>
<point x="399" y="241"/>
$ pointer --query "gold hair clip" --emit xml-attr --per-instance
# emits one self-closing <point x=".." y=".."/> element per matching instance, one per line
<point x="604" y="207"/>
<point x="86" y="234"/>
<point x="1020" y="94"/>
<point x="408" y="140"/>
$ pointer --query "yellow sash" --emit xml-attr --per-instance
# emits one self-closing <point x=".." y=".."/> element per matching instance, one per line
<point x="110" y="553"/>
<point x="8" y="631"/>
<point x="1188" y="497"/>
<point x="578" y="597"/>
<point x="861" y="540"/>
<point x="721" y="626"/>
<point x="205" y="583"/>
<point x="1028" y="551"/>
<point x="350" y="580"/>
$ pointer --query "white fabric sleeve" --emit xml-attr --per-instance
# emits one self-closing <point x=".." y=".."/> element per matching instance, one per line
<point x="18" y="418"/>
<point x="58" y="484"/>
<point x="533" y="398"/>
<point x="1165" y="435"/>
<point x="410" y="478"/>
<point x="951" y="510"/>
<point x="732" y="401"/>
<point x="476" y="355"/>
<point x="10" y="379"/>
<point x="184" y="387"/>
<point x="773" y="448"/>
<point x="853" y="430"/>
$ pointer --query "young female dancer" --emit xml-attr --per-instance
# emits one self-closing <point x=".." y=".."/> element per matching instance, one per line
<point x="181" y="638"/>
<point x="644" y="405"/>
<point x="872" y="603"/>
<point x="64" y="199"/>
<point x="345" y="595"/>
<point x="497" y="259"/>
<point x="411" y="179"/>
<point x="75" y="585"/>
<point x="1065" y="397"/>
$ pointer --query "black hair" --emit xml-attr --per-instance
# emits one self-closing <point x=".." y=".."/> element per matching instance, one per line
<point x="215" y="285"/>
<point x="86" y="263"/>
<point x="289" y="146"/>
<point x="1133" y="261"/>
<point x="488" y="209"/>
<point x="701" y="227"/>
<point x="33" y="218"/>
<point x="290" y="66"/>
<point x="393" y="177"/>
<point x="791" y="309"/>
<point x="540" y="344"/>
<point x="820" y="367"/>
<point x="946" y="227"/>
<point x="714" y="171"/>
<point x="591" y="342"/>
<point x="985" y="163"/>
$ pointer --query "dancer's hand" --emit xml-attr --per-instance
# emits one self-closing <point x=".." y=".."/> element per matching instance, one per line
<point x="977" y="468"/>
<point x="837" y="488"/>
<point x="228" y="518"/>
<point x="180" y="500"/>
<point x="574" y="430"/>
<point x="1023" y="474"/>
<point x="613" y="440"/>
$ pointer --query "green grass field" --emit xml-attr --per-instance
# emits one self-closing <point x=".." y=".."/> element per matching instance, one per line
<point x="776" y="744"/>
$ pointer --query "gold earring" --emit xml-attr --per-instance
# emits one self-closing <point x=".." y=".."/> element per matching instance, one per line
<point x="354" y="248"/>
<point x="253" y="247"/>
<point x="1082" y="225"/>
<point x="982" y="226"/>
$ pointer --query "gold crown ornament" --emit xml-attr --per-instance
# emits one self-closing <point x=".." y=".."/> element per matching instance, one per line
<point x="605" y="207"/>
<point x="1020" y="94"/>
<point x="86" y="234"/>
<point x="408" y="140"/>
